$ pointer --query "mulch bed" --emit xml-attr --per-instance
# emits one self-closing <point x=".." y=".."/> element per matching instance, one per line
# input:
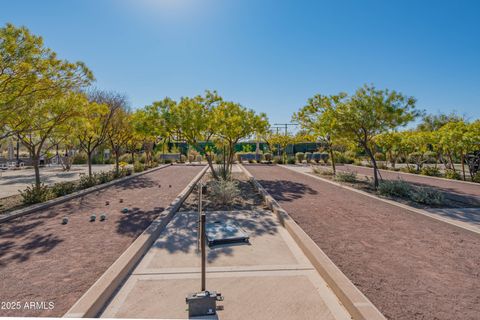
<point x="408" y="265"/>
<point x="42" y="260"/>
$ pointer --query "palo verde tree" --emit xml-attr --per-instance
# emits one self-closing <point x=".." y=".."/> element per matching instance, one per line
<point x="318" y="118"/>
<point x="47" y="118"/>
<point x="29" y="71"/>
<point x="370" y="112"/>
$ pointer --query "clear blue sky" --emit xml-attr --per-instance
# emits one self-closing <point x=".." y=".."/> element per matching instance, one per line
<point x="269" y="55"/>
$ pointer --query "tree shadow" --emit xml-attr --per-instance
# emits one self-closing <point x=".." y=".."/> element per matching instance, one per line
<point x="136" y="221"/>
<point x="137" y="183"/>
<point x="35" y="245"/>
<point x="286" y="190"/>
<point x="181" y="233"/>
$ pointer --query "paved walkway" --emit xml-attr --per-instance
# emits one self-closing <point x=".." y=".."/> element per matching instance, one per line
<point x="270" y="278"/>
<point x="13" y="180"/>
<point x="410" y="266"/>
<point x="467" y="193"/>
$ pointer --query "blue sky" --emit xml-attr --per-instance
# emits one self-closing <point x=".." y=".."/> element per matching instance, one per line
<point x="268" y="55"/>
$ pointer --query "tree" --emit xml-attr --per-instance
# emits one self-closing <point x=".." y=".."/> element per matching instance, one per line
<point x="47" y="118"/>
<point x="29" y="71"/>
<point x="431" y="122"/>
<point x="233" y="122"/>
<point x="370" y="112"/>
<point x="391" y="144"/>
<point x="279" y="141"/>
<point x="92" y="128"/>
<point x="318" y="117"/>
<point x="120" y="131"/>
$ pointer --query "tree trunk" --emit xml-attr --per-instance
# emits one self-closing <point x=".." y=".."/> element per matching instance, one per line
<point x="451" y="162"/>
<point x="117" y="165"/>
<point x="332" y="157"/>
<point x="89" y="163"/>
<point x="375" y="168"/>
<point x="36" y="167"/>
<point x="462" y="159"/>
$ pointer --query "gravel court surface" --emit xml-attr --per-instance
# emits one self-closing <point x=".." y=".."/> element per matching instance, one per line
<point x="44" y="262"/>
<point x="408" y="265"/>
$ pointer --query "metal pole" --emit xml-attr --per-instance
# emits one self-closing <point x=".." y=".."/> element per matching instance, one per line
<point x="202" y="241"/>
<point x="199" y="231"/>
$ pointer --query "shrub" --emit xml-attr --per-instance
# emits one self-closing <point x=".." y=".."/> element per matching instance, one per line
<point x="183" y="158"/>
<point x="223" y="192"/>
<point x="323" y="172"/>
<point x="431" y="171"/>
<point x="252" y="161"/>
<point x="167" y="161"/>
<point x="300" y="156"/>
<point x="451" y="174"/>
<point x="380" y="156"/>
<point x="80" y="158"/>
<point x="278" y="160"/>
<point x="394" y="188"/>
<point x="33" y="194"/>
<point x="426" y="195"/>
<point x="268" y="157"/>
<point x="340" y="157"/>
<point x="476" y="177"/>
<point x="291" y="160"/>
<point x="138" y="167"/>
<point x="63" y="188"/>
<point x="104" y="176"/>
<point x="408" y="170"/>
<point x="346" y="176"/>
<point x="223" y="172"/>
<point x="308" y="156"/>
<point x="86" y="181"/>
<point x="199" y="158"/>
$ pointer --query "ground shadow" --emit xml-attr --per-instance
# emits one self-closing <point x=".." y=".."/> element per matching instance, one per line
<point x="136" y="220"/>
<point x="286" y="190"/>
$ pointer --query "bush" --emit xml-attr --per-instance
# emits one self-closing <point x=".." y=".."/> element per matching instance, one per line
<point x="291" y="160"/>
<point x="431" y="171"/>
<point x="394" y="188"/>
<point x="451" y="174"/>
<point x="346" y="176"/>
<point x="268" y="157"/>
<point x="380" y="156"/>
<point x="104" y="176"/>
<point x="308" y="156"/>
<point x="183" y="158"/>
<point x="223" y="192"/>
<point x="80" y="158"/>
<point x="278" y="160"/>
<point x="300" y="156"/>
<point x="199" y="158"/>
<point x="167" y="161"/>
<point x="63" y="188"/>
<point x="408" y="170"/>
<point x="86" y="181"/>
<point x="323" y="172"/>
<point x="34" y="194"/>
<point x="426" y="195"/>
<point x="138" y="167"/>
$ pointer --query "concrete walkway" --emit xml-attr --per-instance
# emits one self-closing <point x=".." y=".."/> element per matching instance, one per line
<point x="270" y="278"/>
<point x="13" y="180"/>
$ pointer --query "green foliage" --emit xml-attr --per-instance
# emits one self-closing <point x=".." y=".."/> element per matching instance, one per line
<point x="323" y="171"/>
<point x="291" y="160"/>
<point x="63" y="188"/>
<point x="394" y="188"/>
<point x="138" y="167"/>
<point x="431" y="171"/>
<point x="346" y="176"/>
<point x="452" y="174"/>
<point x="36" y="194"/>
<point x="87" y="181"/>
<point x="426" y="195"/>
<point x="300" y="156"/>
<point x="278" y="160"/>
<point x="80" y="158"/>
<point x="402" y="189"/>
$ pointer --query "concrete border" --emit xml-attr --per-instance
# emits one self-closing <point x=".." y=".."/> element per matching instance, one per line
<point x="458" y="224"/>
<point x="415" y="174"/>
<point x="93" y="301"/>
<point x="356" y="303"/>
<point x="47" y="204"/>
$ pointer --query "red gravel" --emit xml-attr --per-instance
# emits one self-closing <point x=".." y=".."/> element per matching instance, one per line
<point x="408" y="265"/>
<point x="466" y="193"/>
<point x="42" y="260"/>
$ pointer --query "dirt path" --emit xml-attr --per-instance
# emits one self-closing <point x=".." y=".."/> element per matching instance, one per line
<point x="42" y="260"/>
<point x="467" y="193"/>
<point x="408" y="265"/>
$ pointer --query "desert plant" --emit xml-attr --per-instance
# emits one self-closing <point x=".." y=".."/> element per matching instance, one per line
<point x="36" y="194"/>
<point x="223" y="192"/>
<point x="452" y="174"/>
<point x="346" y="176"/>
<point x="278" y="160"/>
<point x="308" y="157"/>
<point x="80" y="158"/>
<point x="394" y="188"/>
<point x="300" y="156"/>
<point x="138" y="167"/>
<point x="63" y="188"/>
<point x="431" y="171"/>
<point x="291" y="160"/>
<point x="104" y="176"/>
<point x="86" y="181"/>
<point x="323" y="171"/>
<point x="426" y="195"/>
<point x="183" y="158"/>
